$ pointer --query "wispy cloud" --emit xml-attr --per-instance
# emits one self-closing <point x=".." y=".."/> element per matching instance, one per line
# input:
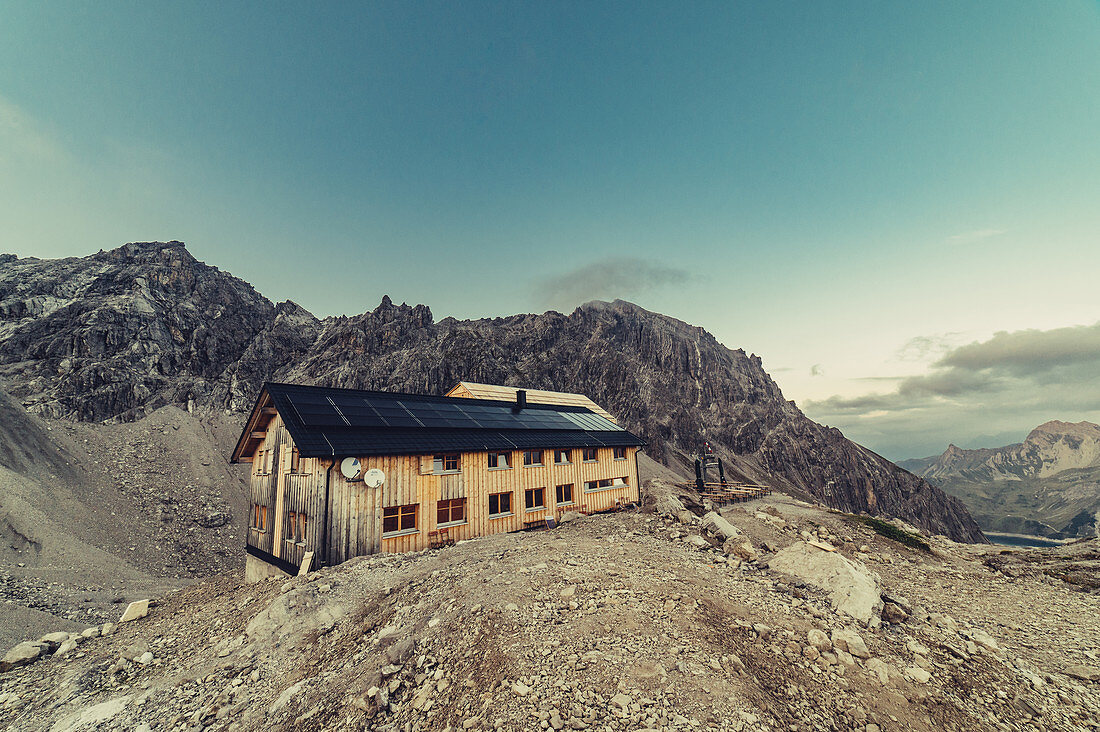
<point x="24" y="137"/>
<point x="1010" y="381"/>
<point x="607" y="279"/>
<point x="817" y="370"/>
<point x="972" y="237"/>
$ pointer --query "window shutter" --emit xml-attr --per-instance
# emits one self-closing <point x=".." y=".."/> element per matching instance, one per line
<point x="427" y="464"/>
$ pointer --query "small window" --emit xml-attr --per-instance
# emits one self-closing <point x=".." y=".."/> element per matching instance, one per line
<point x="294" y="460"/>
<point x="259" y="517"/>
<point x="452" y="511"/>
<point x="446" y="463"/>
<point x="397" y="519"/>
<point x="295" y="527"/>
<point x="500" y="504"/>
<point x="589" y="455"/>
<point x="602" y="483"/>
<point x="535" y="498"/>
<point x="565" y="494"/>
<point x="620" y="453"/>
<point x="532" y="457"/>
<point x="498" y="460"/>
<point x="562" y="457"/>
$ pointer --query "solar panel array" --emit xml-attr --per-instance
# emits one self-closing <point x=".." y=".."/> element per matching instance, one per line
<point x="329" y="408"/>
<point x="326" y="421"/>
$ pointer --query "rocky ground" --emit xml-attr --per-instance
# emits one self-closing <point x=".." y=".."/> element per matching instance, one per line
<point x="625" y="621"/>
<point x="95" y="515"/>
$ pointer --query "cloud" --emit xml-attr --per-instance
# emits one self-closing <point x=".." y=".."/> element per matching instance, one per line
<point x="1029" y="352"/>
<point x="22" y="136"/>
<point x="607" y="279"/>
<point x="919" y="348"/>
<point x="816" y="370"/>
<point x="1010" y="382"/>
<point x="972" y="237"/>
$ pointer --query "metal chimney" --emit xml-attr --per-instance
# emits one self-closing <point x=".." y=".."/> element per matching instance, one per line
<point x="521" y="399"/>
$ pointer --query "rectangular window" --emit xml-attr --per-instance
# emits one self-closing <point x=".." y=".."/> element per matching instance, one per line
<point x="589" y="455"/>
<point x="294" y="460"/>
<point x="500" y="504"/>
<point x="620" y="453"/>
<point x="259" y="517"/>
<point x="565" y="494"/>
<point x="604" y="483"/>
<point x="398" y="519"/>
<point x="498" y="460"/>
<point x="562" y="457"/>
<point x="535" y="498"/>
<point x="450" y="511"/>
<point x="295" y="527"/>
<point x="445" y="463"/>
<point x="532" y="457"/>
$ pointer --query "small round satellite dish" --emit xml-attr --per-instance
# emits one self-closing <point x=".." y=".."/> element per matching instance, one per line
<point x="374" y="478"/>
<point x="351" y="468"/>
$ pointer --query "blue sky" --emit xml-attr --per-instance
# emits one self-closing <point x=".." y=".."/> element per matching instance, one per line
<point x="850" y="190"/>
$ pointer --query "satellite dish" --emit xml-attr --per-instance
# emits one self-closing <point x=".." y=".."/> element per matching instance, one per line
<point x="374" y="478"/>
<point x="351" y="468"/>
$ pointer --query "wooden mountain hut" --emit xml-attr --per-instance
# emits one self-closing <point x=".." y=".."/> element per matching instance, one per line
<point x="338" y="473"/>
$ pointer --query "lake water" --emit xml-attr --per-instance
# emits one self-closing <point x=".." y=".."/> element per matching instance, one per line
<point x="1017" y="540"/>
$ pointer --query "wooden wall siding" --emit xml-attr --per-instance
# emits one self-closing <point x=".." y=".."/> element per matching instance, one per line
<point x="453" y="486"/>
<point x="355" y="511"/>
<point x="263" y="489"/>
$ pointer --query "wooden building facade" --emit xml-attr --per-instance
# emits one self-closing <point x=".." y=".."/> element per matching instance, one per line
<point x="449" y="468"/>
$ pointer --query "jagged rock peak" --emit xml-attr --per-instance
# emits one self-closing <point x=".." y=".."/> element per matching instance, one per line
<point x="387" y="312"/>
<point x="164" y="252"/>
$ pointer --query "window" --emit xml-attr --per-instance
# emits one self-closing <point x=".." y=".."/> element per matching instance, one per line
<point x="445" y="463"/>
<point x="263" y="462"/>
<point x="565" y="493"/>
<point x="452" y="511"/>
<point x="295" y="528"/>
<point x="294" y="460"/>
<point x="620" y="453"/>
<point x="532" y="457"/>
<point x="589" y="455"/>
<point x="500" y="504"/>
<point x="399" y="519"/>
<point x="535" y="498"/>
<point x="604" y="483"/>
<point x="259" y="517"/>
<point x="563" y="456"/>
<point x="498" y="460"/>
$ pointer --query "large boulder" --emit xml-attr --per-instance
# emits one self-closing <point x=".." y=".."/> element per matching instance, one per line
<point x="718" y="527"/>
<point x="21" y="655"/>
<point x="853" y="589"/>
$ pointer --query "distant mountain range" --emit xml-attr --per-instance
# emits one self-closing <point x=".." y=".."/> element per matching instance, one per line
<point x="1047" y="485"/>
<point x="118" y="334"/>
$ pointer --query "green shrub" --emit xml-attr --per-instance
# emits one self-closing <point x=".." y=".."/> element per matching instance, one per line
<point x="901" y="536"/>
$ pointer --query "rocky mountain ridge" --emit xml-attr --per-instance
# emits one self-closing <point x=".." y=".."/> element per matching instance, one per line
<point x="1049" y="484"/>
<point x="118" y="334"/>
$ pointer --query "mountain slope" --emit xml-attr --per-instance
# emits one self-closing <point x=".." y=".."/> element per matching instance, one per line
<point x="120" y="333"/>
<point x="1049" y="484"/>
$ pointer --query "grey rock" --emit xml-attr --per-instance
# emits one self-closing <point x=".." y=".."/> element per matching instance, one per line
<point x="20" y="655"/>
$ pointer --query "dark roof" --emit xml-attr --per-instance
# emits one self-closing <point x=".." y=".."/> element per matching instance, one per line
<point x="326" y="422"/>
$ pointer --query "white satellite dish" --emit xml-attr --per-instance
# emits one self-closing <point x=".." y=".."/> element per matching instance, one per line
<point x="374" y="478"/>
<point x="351" y="468"/>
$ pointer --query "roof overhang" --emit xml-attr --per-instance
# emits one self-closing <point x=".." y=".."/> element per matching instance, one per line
<point x="255" y="429"/>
